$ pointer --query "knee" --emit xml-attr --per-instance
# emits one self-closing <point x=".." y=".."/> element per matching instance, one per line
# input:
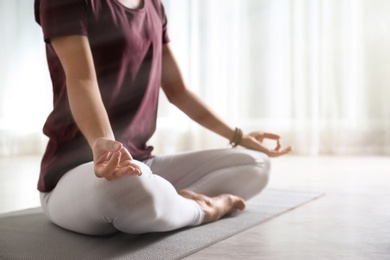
<point x="257" y="165"/>
<point x="263" y="163"/>
<point x="259" y="161"/>
<point x="259" y="172"/>
<point x="118" y="194"/>
<point x="129" y="205"/>
<point x="265" y="170"/>
<point x="134" y="205"/>
<point x="126" y="185"/>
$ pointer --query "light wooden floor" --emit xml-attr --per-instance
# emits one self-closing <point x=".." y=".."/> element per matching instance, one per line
<point x="352" y="221"/>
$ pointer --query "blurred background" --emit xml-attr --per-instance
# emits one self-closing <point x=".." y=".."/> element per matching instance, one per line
<point x="315" y="71"/>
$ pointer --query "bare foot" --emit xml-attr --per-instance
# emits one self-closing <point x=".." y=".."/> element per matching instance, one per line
<point x="215" y="207"/>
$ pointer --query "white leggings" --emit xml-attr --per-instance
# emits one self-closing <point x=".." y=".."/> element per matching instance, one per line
<point x="86" y="204"/>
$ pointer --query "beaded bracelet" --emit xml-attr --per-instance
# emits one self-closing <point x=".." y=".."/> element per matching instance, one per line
<point x="237" y="137"/>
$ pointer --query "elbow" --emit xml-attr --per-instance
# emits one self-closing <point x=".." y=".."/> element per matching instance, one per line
<point x="171" y="97"/>
<point x="174" y="95"/>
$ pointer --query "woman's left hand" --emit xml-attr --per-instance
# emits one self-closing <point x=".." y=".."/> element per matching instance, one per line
<point x="254" y="141"/>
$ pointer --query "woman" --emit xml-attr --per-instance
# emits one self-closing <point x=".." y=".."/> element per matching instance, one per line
<point x="107" y="60"/>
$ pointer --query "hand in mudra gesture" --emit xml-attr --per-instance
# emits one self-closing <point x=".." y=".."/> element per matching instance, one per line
<point x="255" y="141"/>
<point x="112" y="160"/>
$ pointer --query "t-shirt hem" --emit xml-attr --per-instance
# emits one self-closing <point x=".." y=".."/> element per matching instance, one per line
<point x="47" y="37"/>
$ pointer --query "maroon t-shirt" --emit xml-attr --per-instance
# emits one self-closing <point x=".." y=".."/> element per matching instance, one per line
<point x="126" y="45"/>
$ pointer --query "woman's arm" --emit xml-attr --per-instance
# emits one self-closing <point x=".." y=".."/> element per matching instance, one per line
<point x="82" y="87"/>
<point x="179" y="95"/>
<point x="87" y="107"/>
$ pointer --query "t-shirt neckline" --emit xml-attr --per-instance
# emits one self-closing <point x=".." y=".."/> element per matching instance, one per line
<point x="135" y="10"/>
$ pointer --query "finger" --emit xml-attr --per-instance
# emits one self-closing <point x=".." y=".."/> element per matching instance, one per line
<point x="259" y="136"/>
<point x="130" y="161"/>
<point x="278" y="145"/>
<point x="126" y="154"/>
<point x="286" y="150"/>
<point x="125" y="171"/>
<point x="137" y="170"/>
<point x="271" y="136"/>
<point x="103" y="157"/>
<point x="131" y="169"/>
<point x="107" y="170"/>
<point x="280" y="153"/>
<point x="134" y="168"/>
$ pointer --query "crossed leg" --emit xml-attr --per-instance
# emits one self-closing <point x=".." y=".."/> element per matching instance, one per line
<point x="175" y="191"/>
<point x="218" y="180"/>
<point x="215" y="208"/>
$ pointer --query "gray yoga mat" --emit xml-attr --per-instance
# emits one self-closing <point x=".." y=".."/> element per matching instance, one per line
<point x="29" y="235"/>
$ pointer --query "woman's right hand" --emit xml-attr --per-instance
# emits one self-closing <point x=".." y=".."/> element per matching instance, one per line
<point x="112" y="160"/>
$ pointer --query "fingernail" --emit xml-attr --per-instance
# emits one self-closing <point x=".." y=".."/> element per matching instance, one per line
<point x="116" y="146"/>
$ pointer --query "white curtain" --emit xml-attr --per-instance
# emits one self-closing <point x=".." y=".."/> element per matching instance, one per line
<point x="25" y="90"/>
<point x="315" y="71"/>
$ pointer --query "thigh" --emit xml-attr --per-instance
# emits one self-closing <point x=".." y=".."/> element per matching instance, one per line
<point x="83" y="203"/>
<point x="185" y="169"/>
<point x="74" y="204"/>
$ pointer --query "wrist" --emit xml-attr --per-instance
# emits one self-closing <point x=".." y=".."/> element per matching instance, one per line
<point x="237" y="137"/>
<point x="247" y="142"/>
<point x="109" y="144"/>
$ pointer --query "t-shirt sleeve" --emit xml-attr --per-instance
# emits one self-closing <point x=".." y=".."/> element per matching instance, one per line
<point x="165" y="36"/>
<point x="62" y="17"/>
